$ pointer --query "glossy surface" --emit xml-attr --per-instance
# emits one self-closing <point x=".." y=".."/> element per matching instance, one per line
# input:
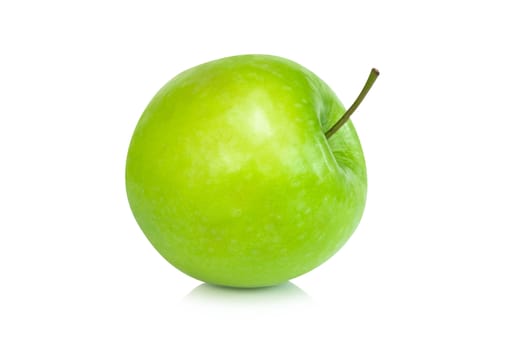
<point x="231" y="178"/>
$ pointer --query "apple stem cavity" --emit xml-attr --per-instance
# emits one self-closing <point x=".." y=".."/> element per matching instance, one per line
<point x="374" y="73"/>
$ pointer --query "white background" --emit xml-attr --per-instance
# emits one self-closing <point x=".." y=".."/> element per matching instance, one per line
<point x="438" y="261"/>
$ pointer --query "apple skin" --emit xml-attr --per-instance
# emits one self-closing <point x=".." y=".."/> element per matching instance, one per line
<point x="231" y="178"/>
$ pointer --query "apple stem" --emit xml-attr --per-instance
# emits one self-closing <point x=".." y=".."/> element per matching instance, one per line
<point x="371" y="79"/>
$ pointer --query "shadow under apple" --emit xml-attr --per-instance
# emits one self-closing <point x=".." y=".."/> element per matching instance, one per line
<point x="285" y="293"/>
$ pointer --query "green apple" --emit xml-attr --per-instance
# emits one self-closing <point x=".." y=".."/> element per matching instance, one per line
<point x="246" y="171"/>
